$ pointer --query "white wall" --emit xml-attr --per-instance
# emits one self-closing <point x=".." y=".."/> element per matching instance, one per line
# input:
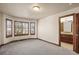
<point x="6" y="40"/>
<point x="48" y="28"/>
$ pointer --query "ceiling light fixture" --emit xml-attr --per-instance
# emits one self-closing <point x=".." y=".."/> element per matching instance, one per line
<point x="36" y="8"/>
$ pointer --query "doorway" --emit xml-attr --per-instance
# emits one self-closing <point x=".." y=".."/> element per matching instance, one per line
<point x="68" y="27"/>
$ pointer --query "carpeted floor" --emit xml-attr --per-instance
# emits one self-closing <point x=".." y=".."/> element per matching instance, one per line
<point x="33" y="47"/>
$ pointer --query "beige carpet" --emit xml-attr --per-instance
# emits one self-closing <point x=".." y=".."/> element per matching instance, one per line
<point x="33" y="47"/>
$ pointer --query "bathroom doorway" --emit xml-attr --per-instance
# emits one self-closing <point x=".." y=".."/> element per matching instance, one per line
<point x="68" y="29"/>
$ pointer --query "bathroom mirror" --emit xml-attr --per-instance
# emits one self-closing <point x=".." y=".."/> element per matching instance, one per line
<point x="66" y="24"/>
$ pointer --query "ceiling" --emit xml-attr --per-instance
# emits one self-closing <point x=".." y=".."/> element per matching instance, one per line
<point x="25" y="10"/>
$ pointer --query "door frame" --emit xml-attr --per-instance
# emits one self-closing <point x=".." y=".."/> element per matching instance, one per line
<point x="75" y="47"/>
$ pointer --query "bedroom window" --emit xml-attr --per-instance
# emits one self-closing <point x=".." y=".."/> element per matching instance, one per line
<point x="8" y="28"/>
<point x="32" y="28"/>
<point x="25" y="28"/>
<point x="21" y="28"/>
<point x="17" y="28"/>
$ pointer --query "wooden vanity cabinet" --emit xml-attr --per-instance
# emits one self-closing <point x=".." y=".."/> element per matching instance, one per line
<point x="67" y="38"/>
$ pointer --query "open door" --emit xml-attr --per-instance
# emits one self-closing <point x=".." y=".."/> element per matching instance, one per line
<point x="76" y="33"/>
<point x="75" y="28"/>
